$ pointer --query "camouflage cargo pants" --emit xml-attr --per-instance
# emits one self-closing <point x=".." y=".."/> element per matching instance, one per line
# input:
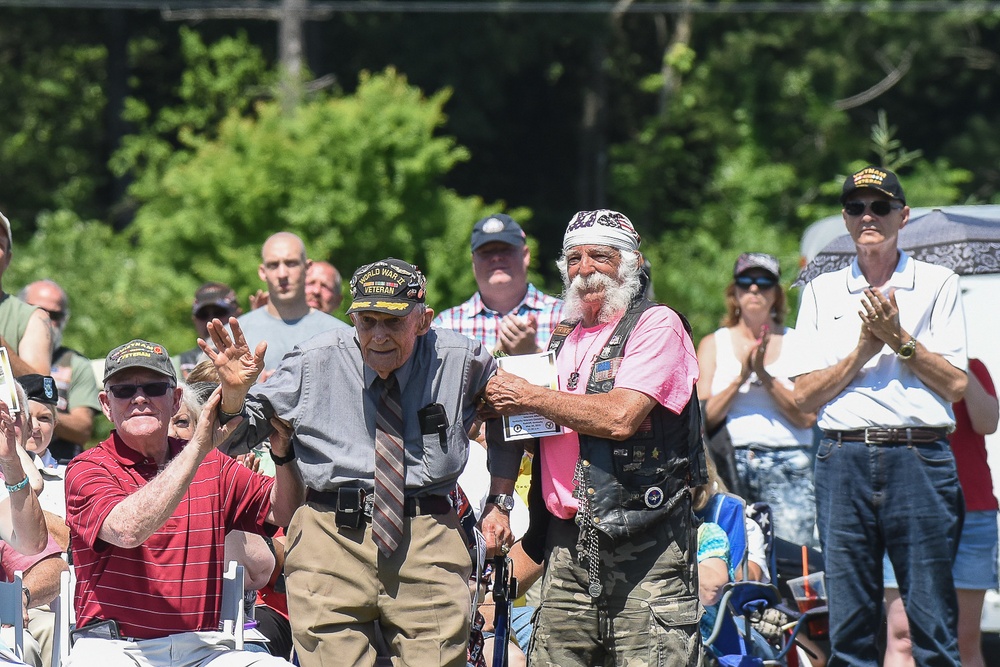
<point x="647" y="614"/>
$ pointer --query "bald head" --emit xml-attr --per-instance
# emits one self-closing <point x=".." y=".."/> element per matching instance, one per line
<point x="323" y="287"/>
<point x="50" y="297"/>
<point x="283" y="267"/>
<point x="284" y="241"/>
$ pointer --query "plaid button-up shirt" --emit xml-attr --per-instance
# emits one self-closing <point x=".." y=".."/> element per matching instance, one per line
<point x="478" y="322"/>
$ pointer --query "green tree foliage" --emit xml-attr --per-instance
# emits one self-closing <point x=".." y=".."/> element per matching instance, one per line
<point x="358" y="177"/>
<point x="51" y="117"/>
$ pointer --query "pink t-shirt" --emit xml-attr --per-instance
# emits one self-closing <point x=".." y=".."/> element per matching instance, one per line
<point x="659" y="361"/>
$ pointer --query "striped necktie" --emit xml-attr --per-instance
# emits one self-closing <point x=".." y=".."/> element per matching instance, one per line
<point x="387" y="513"/>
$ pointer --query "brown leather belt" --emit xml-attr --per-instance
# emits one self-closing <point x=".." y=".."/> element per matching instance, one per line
<point x="412" y="506"/>
<point x="888" y="436"/>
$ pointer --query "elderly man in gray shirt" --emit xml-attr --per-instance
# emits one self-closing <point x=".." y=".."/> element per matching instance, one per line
<point x="380" y="415"/>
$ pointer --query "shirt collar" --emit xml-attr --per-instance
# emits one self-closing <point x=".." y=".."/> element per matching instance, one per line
<point x="532" y="301"/>
<point x="903" y="276"/>
<point x="131" y="458"/>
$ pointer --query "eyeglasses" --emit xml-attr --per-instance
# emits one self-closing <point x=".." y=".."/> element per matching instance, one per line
<point x="56" y="316"/>
<point x="879" y="207"/>
<point x="762" y="282"/>
<point x="149" y="389"/>
<point x="207" y="314"/>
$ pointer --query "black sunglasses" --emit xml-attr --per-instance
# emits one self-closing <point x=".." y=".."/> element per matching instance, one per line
<point x="762" y="282"/>
<point x="879" y="207"/>
<point x="56" y="316"/>
<point x="149" y="389"/>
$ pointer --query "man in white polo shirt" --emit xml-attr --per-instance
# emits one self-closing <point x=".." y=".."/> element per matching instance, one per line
<point x="885" y="477"/>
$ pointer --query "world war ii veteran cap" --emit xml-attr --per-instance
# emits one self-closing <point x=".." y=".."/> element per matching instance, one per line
<point x="139" y="354"/>
<point x="873" y="178"/>
<point x="388" y="286"/>
<point x="41" y="388"/>
<point x="498" y="227"/>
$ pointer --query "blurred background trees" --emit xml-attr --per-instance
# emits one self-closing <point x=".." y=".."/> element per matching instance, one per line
<point x="140" y="157"/>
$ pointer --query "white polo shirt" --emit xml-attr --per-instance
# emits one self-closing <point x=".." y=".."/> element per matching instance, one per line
<point x="885" y="392"/>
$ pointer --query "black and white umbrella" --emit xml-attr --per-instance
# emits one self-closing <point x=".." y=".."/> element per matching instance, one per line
<point x="965" y="242"/>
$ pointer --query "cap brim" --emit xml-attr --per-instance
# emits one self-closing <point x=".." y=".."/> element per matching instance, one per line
<point x="398" y="307"/>
<point x="511" y="240"/>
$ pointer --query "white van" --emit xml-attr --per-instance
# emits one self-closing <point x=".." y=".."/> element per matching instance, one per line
<point x="980" y="299"/>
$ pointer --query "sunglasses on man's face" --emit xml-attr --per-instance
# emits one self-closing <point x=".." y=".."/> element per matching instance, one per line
<point x="149" y="389"/>
<point x="57" y="316"/>
<point x="762" y="282"/>
<point x="879" y="207"/>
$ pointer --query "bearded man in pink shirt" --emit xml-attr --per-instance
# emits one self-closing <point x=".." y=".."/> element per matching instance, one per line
<point x="620" y="584"/>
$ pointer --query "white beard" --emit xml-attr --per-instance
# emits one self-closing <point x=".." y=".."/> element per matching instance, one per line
<point x="618" y="294"/>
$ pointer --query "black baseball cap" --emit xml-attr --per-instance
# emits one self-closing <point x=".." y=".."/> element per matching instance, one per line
<point x="498" y="227"/>
<point x="139" y="354"/>
<point x="873" y="178"/>
<point x="388" y="286"/>
<point x="215" y="294"/>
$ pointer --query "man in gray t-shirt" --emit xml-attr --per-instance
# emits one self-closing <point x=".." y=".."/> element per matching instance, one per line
<point x="286" y="320"/>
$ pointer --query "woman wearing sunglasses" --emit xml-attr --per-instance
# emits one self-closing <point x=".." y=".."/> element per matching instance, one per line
<point x="747" y="391"/>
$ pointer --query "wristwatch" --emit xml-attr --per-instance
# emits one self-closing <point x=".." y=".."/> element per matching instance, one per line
<point x="27" y="596"/>
<point x="907" y="349"/>
<point x="501" y="500"/>
<point x="282" y="460"/>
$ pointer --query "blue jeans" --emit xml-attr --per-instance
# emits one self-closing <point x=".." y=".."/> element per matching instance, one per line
<point x="904" y="501"/>
<point x="782" y="477"/>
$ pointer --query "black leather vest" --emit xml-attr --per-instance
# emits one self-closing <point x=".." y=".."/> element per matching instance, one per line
<point x="634" y="483"/>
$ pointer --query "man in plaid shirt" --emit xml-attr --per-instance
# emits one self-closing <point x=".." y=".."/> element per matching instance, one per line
<point x="507" y="313"/>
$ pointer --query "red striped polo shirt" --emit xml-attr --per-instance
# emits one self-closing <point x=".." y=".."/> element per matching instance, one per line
<point x="173" y="581"/>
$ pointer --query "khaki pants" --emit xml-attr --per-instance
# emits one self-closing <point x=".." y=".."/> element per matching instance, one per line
<point x="340" y="586"/>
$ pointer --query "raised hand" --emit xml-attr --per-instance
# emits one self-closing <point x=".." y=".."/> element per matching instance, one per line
<point x="237" y="365"/>
<point x="210" y="434"/>
<point x="8" y="438"/>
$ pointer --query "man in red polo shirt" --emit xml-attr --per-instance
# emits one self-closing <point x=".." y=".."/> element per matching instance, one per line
<point x="148" y="517"/>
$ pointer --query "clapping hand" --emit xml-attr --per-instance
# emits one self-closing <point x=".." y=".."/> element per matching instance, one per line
<point x="517" y="334"/>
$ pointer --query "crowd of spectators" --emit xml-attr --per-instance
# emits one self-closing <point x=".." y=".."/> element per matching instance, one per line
<point x="356" y="472"/>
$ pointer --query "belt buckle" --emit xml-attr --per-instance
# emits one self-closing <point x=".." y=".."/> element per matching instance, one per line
<point x="868" y="440"/>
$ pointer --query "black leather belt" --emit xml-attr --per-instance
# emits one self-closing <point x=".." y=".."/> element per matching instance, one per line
<point x="412" y="506"/>
<point x="887" y="436"/>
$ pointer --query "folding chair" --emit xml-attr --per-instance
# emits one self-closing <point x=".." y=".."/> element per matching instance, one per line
<point x="733" y="638"/>
<point x="233" y="611"/>
<point x="11" y="608"/>
<point x="65" y="616"/>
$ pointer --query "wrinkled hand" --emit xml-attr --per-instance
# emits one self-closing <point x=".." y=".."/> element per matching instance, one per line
<point x="259" y="300"/>
<point x="250" y="460"/>
<point x="210" y="434"/>
<point x="517" y="334"/>
<point x="880" y="317"/>
<point x="237" y="366"/>
<point x="8" y="439"/>
<point x="505" y="391"/>
<point x="281" y="437"/>
<point x="495" y="526"/>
